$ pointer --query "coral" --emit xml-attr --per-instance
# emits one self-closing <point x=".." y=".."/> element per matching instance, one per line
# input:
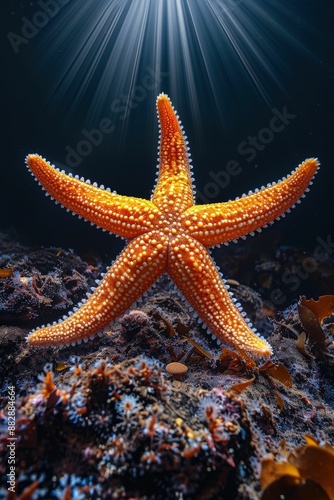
<point x="108" y="419"/>
<point x="125" y="430"/>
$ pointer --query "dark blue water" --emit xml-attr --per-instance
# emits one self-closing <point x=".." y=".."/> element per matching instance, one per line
<point x="71" y="70"/>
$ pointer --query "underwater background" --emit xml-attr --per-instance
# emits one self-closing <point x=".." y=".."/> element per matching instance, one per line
<point x="114" y="417"/>
<point x="229" y="67"/>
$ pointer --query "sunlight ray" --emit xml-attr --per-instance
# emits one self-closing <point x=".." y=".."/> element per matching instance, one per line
<point x="95" y="52"/>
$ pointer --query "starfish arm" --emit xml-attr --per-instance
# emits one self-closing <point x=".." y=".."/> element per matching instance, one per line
<point x="122" y="215"/>
<point x="173" y="192"/>
<point x="133" y="272"/>
<point x="221" y="222"/>
<point x="193" y="271"/>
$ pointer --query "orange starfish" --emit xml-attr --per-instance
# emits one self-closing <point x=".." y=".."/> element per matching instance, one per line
<point x="167" y="234"/>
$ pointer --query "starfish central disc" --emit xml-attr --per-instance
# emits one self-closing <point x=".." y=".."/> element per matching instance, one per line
<point x="167" y="234"/>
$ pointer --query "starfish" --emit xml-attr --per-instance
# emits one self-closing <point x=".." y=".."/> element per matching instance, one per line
<point x="167" y="234"/>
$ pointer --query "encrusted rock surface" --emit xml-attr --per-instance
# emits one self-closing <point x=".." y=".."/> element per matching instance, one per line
<point x="104" y="419"/>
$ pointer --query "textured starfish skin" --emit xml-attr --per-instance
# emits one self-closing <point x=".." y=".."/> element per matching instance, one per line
<point x="167" y="234"/>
